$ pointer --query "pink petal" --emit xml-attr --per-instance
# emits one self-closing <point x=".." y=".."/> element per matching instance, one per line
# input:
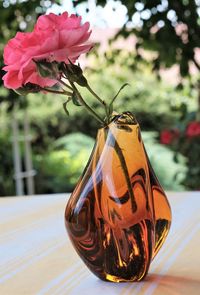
<point x="43" y="82"/>
<point x="72" y="37"/>
<point x="71" y="22"/>
<point x="75" y="51"/>
<point x="11" y="80"/>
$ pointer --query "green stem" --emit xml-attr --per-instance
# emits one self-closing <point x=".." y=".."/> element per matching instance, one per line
<point x="100" y="100"/>
<point x="55" y="91"/>
<point x="89" y="109"/>
<point x="65" y="84"/>
<point x="95" y="95"/>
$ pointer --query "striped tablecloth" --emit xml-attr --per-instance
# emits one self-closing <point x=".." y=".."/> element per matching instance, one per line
<point x="36" y="256"/>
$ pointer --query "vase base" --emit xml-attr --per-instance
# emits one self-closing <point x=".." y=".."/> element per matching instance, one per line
<point x="115" y="279"/>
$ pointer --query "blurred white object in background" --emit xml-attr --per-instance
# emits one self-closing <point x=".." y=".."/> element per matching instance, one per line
<point x="19" y="174"/>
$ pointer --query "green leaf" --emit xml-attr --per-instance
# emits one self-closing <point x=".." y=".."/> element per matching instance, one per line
<point x="22" y="91"/>
<point x="65" y="107"/>
<point x="28" y="88"/>
<point x="75" y="99"/>
<point x="110" y="108"/>
<point x="122" y="87"/>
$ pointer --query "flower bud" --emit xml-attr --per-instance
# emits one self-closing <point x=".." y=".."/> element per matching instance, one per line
<point x="74" y="73"/>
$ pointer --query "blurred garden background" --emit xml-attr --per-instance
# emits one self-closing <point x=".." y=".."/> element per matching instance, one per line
<point x="152" y="45"/>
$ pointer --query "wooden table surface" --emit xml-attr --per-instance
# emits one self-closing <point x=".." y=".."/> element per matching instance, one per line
<point x="36" y="256"/>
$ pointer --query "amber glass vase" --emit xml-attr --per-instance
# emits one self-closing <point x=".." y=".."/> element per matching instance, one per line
<point x="118" y="215"/>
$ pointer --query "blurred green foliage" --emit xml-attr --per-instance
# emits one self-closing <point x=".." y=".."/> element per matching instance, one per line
<point x="189" y="147"/>
<point x="61" y="145"/>
<point x="191" y="150"/>
<point x="59" y="155"/>
<point x="152" y="100"/>
<point x="60" y="167"/>
<point x="170" y="173"/>
<point x="6" y="167"/>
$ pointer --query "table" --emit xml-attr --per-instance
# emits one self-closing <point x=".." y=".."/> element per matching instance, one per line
<point x="36" y="256"/>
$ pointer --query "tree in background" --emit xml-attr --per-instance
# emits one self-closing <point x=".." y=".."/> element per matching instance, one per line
<point x="170" y="28"/>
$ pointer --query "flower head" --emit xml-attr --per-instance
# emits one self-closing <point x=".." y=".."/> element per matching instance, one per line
<point x="58" y="38"/>
<point x="168" y="136"/>
<point x="193" y="129"/>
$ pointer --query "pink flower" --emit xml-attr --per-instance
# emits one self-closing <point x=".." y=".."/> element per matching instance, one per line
<point x="168" y="136"/>
<point x="193" y="129"/>
<point x="54" y="38"/>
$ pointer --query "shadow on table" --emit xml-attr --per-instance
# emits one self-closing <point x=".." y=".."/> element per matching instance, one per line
<point x="152" y="284"/>
<point x="173" y="284"/>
